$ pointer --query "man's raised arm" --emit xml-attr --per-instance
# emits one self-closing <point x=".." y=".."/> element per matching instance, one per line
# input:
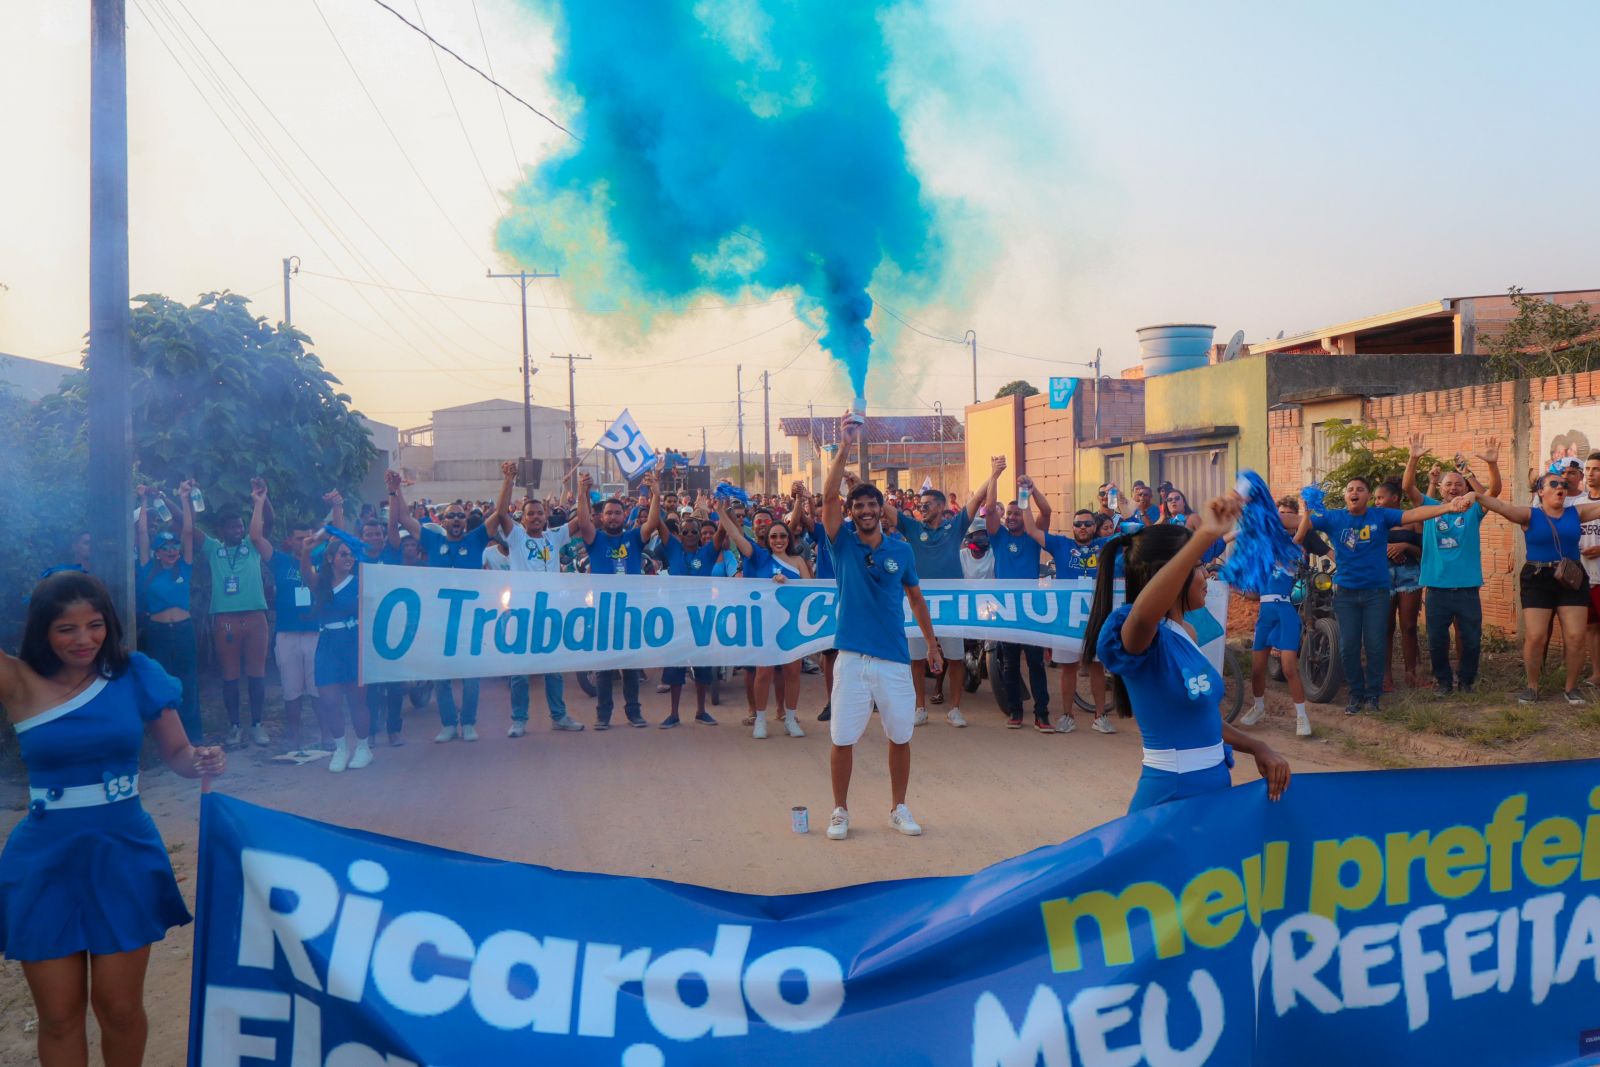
<point x="832" y="505"/>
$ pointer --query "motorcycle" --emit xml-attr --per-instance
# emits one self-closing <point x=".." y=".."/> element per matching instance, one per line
<point x="1320" y="667"/>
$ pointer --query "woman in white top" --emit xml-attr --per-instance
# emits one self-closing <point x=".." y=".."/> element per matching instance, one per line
<point x="778" y="562"/>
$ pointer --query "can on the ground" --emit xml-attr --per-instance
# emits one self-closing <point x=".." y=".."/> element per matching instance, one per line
<point x="799" y="819"/>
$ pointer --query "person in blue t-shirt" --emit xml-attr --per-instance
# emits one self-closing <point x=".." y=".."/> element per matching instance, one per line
<point x="1359" y="534"/>
<point x="804" y="517"/>
<point x="1017" y="556"/>
<point x="1161" y="677"/>
<point x="775" y="562"/>
<point x="461" y="549"/>
<point x="688" y="553"/>
<point x="613" y="549"/>
<point x="1077" y="556"/>
<point x="1278" y="627"/>
<point x="877" y="580"/>
<point x="165" y="581"/>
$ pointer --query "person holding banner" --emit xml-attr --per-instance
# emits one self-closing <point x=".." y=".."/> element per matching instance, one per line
<point x="1077" y="556"/>
<point x="338" y="608"/>
<point x="688" y="554"/>
<point x="86" y="885"/>
<point x="613" y="549"/>
<point x="777" y="562"/>
<point x="877" y="578"/>
<point x="1162" y="678"/>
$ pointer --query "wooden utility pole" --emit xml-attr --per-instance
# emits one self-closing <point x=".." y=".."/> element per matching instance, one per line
<point x="522" y="278"/>
<point x="766" y="432"/>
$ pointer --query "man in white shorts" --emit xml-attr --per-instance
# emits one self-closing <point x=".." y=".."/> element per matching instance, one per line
<point x="877" y="575"/>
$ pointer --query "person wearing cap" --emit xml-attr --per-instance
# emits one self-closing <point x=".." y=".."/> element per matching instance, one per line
<point x="1077" y="556"/>
<point x="294" y="645"/>
<point x="687" y="553"/>
<point x="1017" y="557"/>
<point x="165" y="581"/>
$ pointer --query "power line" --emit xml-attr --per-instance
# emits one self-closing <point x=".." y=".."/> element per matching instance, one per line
<point x="471" y="148"/>
<point x="459" y="59"/>
<point x="542" y="307"/>
<point x="908" y="324"/>
<point x="499" y="101"/>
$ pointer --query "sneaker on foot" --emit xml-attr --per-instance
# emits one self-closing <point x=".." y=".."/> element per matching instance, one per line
<point x="663" y="688"/>
<point x="446" y="733"/>
<point x="793" y="726"/>
<point x="1065" y="725"/>
<point x="1044" y="727"/>
<point x="669" y="722"/>
<point x="1256" y="713"/>
<point x="839" y="825"/>
<point x="602" y="724"/>
<point x="395" y="740"/>
<point x="827" y="713"/>
<point x="759" y="730"/>
<point x="1353" y="708"/>
<point x="258" y="734"/>
<point x="1575" y="698"/>
<point x="750" y="720"/>
<point x="363" y="755"/>
<point x="1302" y="728"/>
<point x="921" y="717"/>
<point x="1014" y="724"/>
<point x="235" y="736"/>
<point x="1373" y="704"/>
<point x="705" y="718"/>
<point x="1102" y="725"/>
<point x="566" y="723"/>
<point x="900" y="818"/>
<point x="469" y="732"/>
<point x="341" y="758"/>
<point x="637" y="721"/>
<point x="517" y="729"/>
<point x="955" y="717"/>
<point x="1527" y="696"/>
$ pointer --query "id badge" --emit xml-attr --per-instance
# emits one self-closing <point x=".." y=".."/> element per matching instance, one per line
<point x="230" y="585"/>
<point x="302" y="596"/>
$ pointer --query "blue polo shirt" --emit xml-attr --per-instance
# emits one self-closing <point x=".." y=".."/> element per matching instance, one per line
<point x="936" y="548"/>
<point x="621" y="553"/>
<point x="291" y="597"/>
<point x="463" y="555"/>
<point x="1360" y="544"/>
<point x="1451" y="557"/>
<point x="1015" y="555"/>
<point x="1074" y="560"/>
<point x="823" y="566"/>
<point x="696" y="564"/>
<point x="872" y="584"/>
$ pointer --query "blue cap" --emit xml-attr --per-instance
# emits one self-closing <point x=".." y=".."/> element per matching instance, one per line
<point x="164" y="539"/>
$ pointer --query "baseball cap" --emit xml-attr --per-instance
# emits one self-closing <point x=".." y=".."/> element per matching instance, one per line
<point x="164" y="539"/>
<point x="1566" y="463"/>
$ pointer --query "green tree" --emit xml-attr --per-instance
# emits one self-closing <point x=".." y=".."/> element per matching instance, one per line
<point x="1366" y="453"/>
<point x="1544" y="339"/>
<point x="1017" y="388"/>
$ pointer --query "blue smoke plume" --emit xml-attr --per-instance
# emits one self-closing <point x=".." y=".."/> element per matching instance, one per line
<point x="728" y="147"/>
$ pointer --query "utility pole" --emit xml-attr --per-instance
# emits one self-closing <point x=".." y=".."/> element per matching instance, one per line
<point x="572" y="411"/>
<point x="291" y="265"/>
<point x="522" y="278"/>
<point x="766" y="432"/>
<point x="972" y="339"/>
<point x="938" y="411"/>
<point x="816" y="451"/>
<point x="110" y="322"/>
<point x="1097" y="394"/>
<point x="738" y="384"/>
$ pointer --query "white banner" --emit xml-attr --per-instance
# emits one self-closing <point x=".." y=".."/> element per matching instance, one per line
<point x="628" y="447"/>
<point x="419" y="623"/>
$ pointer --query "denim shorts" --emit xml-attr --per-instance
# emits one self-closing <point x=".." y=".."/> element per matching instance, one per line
<point x="1405" y="577"/>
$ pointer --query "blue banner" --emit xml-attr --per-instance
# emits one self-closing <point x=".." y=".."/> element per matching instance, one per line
<point x="1387" y="917"/>
<point x="1061" y="390"/>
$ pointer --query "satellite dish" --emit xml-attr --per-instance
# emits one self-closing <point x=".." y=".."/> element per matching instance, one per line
<point x="1231" y="353"/>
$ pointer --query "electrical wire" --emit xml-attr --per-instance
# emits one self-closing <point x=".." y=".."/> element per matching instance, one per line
<point x="488" y="61"/>
<point x="488" y="186"/>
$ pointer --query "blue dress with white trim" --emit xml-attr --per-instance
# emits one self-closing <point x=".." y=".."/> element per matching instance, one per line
<point x="339" y="643"/>
<point x="1177" y="697"/>
<point x="86" y="870"/>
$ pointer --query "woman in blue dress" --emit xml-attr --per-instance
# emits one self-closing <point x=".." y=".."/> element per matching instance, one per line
<point x="1161" y="677"/>
<point x="85" y="882"/>
<point x="777" y="561"/>
<point x="336" y="667"/>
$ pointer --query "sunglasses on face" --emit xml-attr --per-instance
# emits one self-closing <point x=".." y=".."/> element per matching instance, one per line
<point x="455" y="515"/>
<point x="1089" y="524"/>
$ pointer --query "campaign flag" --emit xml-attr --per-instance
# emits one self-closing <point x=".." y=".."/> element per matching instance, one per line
<point x="1379" y="917"/>
<point x="421" y="623"/>
<point x="1061" y="390"/>
<point x="927" y="483"/>
<point x="628" y="447"/>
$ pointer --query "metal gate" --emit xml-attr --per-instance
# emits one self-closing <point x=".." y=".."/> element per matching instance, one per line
<point x="1198" y="473"/>
<point x="1117" y="473"/>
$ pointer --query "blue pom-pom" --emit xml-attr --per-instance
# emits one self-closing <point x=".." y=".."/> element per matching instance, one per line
<point x="1261" y="543"/>
<point x="1315" y="502"/>
<point x="733" y="492"/>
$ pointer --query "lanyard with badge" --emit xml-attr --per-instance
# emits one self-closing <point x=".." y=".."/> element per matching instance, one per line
<point x="230" y="584"/>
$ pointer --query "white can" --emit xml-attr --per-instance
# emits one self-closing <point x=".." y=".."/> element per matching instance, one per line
<point x="799" y="820"/>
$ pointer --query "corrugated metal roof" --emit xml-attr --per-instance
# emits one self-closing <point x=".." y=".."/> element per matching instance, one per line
<point x="881" y="429"/>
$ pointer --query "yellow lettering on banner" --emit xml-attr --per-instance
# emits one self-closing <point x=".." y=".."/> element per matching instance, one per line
<point x="1329" y="892"/>
<point x="1591" y="840"/>
<point x="1549" y="855"/>
<point x="1111" y="915"/>
<point x="1263" y="893"/>
<point x="1210" y="906"/>
<point x="1400" y="851"/>
<point x="1504" y="831"/>
<point x="1458" y="848"/>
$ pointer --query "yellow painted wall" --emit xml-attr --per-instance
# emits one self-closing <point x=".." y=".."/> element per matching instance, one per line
<point x="1222" y="394"/>
<point x="992" y="430"/>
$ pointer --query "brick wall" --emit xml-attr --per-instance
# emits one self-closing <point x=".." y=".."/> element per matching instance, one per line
<point x="1049" y="449"/>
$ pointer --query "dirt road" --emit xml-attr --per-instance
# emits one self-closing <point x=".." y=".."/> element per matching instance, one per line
<point x="698" y="804"/>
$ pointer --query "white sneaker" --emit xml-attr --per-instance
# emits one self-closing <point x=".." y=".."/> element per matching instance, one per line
<point x="469" y="732"/>
<point x="955" y="717"/>
<point x="235" y="736"/>
<point x="363" y="755"/>
<point x="258" y="734"/>
<point x="921" y="718"/>
<point x="447" y="733"/>
<point x="901" y="820"/>
<point x="759" y="730"/>
<point x="1102" y="725"/>
<point x="1256" y="713"/>
<point x="792" y="726"/>
<point x="518" y="728"/>
<point x="1065" y="725"/>
<point x="1302" y="728"/>
<point x="341" y="758"/>
<point x="839" y="825"/>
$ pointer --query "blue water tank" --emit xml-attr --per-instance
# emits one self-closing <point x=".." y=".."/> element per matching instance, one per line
<point x="1174" y="346"/>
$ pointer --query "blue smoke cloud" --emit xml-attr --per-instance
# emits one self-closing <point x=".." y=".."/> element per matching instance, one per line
<point x="729" y="146"/>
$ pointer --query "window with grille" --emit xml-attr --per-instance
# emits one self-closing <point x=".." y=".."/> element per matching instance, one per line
<point x="1323" y="458"/>
<point x="1198" y="473"/>
<point x="1117" y="471"/>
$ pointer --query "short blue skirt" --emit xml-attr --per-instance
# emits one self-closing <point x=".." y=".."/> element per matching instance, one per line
<point x="94" y="880"/>
<point x="338" y="657"/>
<point x="1159" y="787"/>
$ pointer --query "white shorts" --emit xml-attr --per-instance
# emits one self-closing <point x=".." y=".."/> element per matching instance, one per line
<point x="296" y="653"/>
<point x="952" y="647"/>
<point x="1059" y="656"/>
<point x="859" y="682"/>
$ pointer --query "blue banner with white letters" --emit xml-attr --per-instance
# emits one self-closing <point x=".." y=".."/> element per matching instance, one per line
<point x="1386" y="917"/>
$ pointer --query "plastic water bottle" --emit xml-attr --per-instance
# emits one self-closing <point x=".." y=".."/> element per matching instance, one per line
<point x="158" y="507"/>
<point x="1024" y="496"/>
<point x="1111" y="499"/>
<point x="197" y="499"/>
